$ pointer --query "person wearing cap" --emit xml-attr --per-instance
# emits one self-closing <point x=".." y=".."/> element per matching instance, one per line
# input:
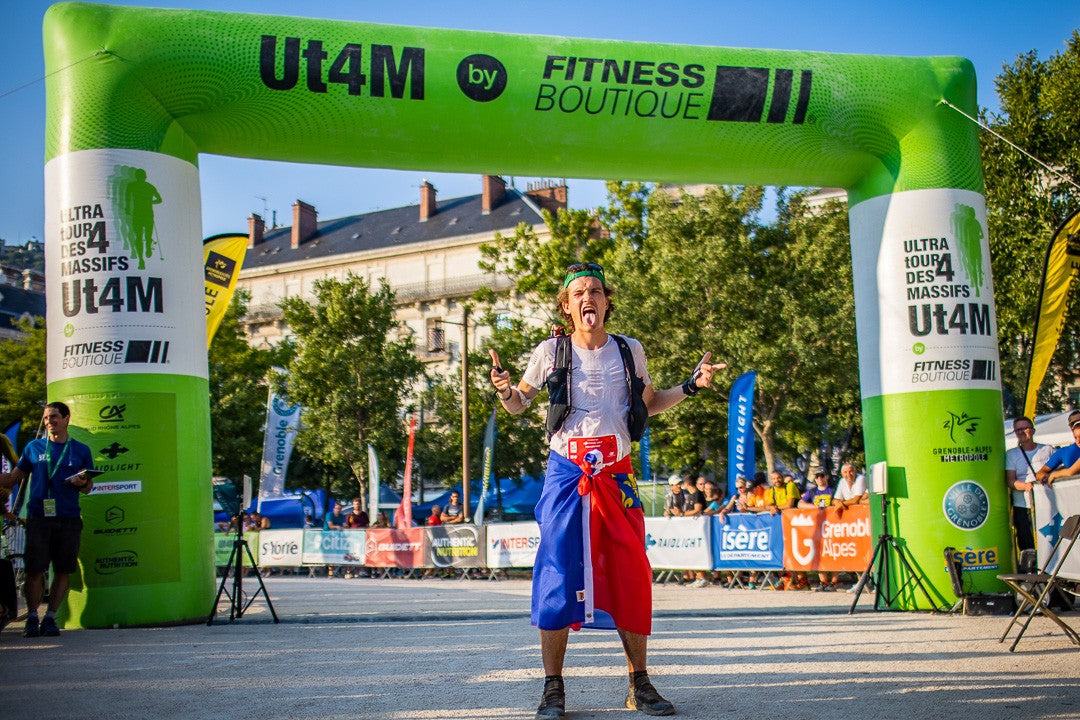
<point x="1022" y="464"/>
<point x="589" y="478"/>
<point x="1063" y="462"/>
<point x="821" y="494"/>
<point x="673" y="498"/>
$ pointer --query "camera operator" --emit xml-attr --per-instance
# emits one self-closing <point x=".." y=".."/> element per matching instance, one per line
<point x="55" y="467"/>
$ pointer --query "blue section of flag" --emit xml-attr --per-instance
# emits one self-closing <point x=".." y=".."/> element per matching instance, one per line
<point x="741" y="429"/>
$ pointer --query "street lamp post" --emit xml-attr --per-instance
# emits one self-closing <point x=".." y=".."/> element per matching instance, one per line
<point x="465" y="412"/>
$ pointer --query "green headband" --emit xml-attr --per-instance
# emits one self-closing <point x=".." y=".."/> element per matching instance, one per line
<point x="570" y="277"/>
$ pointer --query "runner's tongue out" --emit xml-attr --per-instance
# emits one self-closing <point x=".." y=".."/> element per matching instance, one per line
<point x="588" y="316"/>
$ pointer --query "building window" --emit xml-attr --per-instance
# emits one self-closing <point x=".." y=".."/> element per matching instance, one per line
<point x="436" y="336"/>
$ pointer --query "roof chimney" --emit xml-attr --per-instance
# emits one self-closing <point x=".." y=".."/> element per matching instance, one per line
<point x="256" y="230"/>
<point x="548" y="194"/>
<point x="427" y="201"/>
<point x="494" y="191"/>
<point x="304" y="223"/>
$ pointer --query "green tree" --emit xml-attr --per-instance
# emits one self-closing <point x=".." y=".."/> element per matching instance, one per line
<point x="239" y="384"/>
<point x="1040" y="112"/>
<point x="352" y="368"/>
<point x="22" y="377"/>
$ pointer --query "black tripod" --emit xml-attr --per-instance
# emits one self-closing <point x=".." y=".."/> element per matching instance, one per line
<point x="237" y="605"/>
<point x="880" y="558"/>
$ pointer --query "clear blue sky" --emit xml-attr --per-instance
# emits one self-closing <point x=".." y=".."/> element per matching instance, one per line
<point x="989" y="33"/>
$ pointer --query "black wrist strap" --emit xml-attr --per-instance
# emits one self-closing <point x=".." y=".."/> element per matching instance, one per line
<point x="689" y="387"/>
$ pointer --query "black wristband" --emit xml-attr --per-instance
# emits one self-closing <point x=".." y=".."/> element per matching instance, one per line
<point x="689" y="387"/>
<point x="510" y="394"/>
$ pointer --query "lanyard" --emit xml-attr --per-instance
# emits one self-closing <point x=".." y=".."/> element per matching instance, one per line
<point x="59" y="461"/>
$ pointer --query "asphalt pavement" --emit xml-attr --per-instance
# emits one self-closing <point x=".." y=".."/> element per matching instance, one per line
<point x="443" y="648"/>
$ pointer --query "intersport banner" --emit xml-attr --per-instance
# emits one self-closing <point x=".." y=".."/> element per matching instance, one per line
<point x="824" y="539"/>
<point x="512" y="544"/>
<point x="134" y="95"/>
<point x="741" y="429"/>
<point x="282" y="424"/>
<point x="748" y="541"/>
<point x="678" y="542"/>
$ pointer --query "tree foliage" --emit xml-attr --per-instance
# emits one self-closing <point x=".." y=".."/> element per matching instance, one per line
<point x="22" y="377"/>
<point x="351" y="368"/>
<point x="239" y="385"/>
<point x="1040" y="112"/>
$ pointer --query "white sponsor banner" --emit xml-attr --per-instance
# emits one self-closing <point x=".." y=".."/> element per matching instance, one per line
<point x="1053" y="504"/>
<point x="121" y="486"/>
<point x="512" y="544"/>
<point x="282" y="422"/>
<point x="280" y="547"/>
<point x="678" y="542"/>
<point x="123" y="265"/>
<point x="924" y="301"/>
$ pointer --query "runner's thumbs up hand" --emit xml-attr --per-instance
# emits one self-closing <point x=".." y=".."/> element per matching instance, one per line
<point x="499" y="378"/>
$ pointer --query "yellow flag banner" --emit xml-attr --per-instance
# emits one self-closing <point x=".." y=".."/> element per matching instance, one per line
<point x="223" y="256"/>
<point x="1062" y="268"/>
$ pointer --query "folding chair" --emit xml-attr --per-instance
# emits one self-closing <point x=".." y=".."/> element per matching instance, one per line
<point x="1034" y="588"/>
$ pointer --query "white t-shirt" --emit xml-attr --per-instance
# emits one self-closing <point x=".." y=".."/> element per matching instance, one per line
<point x="1014" y="460"/>
<point x="599" y="398"/>
<point x="856" y="491"/>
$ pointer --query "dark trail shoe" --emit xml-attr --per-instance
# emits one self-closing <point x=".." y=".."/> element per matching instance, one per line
<point x="553" y="702"/>
<point x="33" y="629"/>
<point x="49" y="628"/>
<point x="643" y="696"/>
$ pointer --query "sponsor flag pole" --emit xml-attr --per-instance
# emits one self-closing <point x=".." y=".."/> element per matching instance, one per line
<point x="282" y="424"/>
<point x="404" y="516"/>
<point x="1059" y="273"/>
<point x="223" y="256"/>
<point x="487" y="473"/>
<point x="741" y="429"/>
<point x="373" y="482"/>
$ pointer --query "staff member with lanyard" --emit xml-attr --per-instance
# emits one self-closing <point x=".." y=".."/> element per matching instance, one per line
<point x="1022" y="463"/>
<point x="53" y="525"/>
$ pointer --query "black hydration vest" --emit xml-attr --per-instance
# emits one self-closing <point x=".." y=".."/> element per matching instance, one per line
<point x="558" y="385"/>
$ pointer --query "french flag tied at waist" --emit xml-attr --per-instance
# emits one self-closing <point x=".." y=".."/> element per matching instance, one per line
<point x="591" y="569"/>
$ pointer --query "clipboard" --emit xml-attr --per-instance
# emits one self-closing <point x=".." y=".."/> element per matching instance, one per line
<point x="89" y="474"/>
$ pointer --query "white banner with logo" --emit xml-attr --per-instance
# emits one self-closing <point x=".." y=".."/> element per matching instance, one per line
<point x="282" y="422"/>
<point x="1053" y="504"/>
<point x="512" y="544"/>
<point x="678" y="543"/>
<point x="281" y="547"/>
<point x="121" y="294"/>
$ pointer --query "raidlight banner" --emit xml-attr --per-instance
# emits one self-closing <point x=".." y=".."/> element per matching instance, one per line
<point x="395" y="548"/>
<point x="677" y="542"/>
<point x="487" y="471"/>
<point x="1059" y="275"/>
<point x="282" y="424"/>
<point x="283" y="548"/>
<point x="458" y="546"/>
<point x="645" y="447"/>
<point x="823" y="539"/>
<point x="134" y="95"/>
<point x="741" y="429"/>
<point x="512" y="544"/>
<point x="223" y="256"/>
<point x="1053" y="504"/>
<point x="334" y="547"/>
<point x="747" y="541"/>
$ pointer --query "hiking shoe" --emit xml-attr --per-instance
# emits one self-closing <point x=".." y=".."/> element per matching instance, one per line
<point x="33" y="628"/>
<point x="553" y="701"/>
<point x="643" y="697"/>
<point x="49" y="628"/>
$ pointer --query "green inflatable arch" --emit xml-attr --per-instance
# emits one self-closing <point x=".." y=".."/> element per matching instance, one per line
<point x="134" y="95"/>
